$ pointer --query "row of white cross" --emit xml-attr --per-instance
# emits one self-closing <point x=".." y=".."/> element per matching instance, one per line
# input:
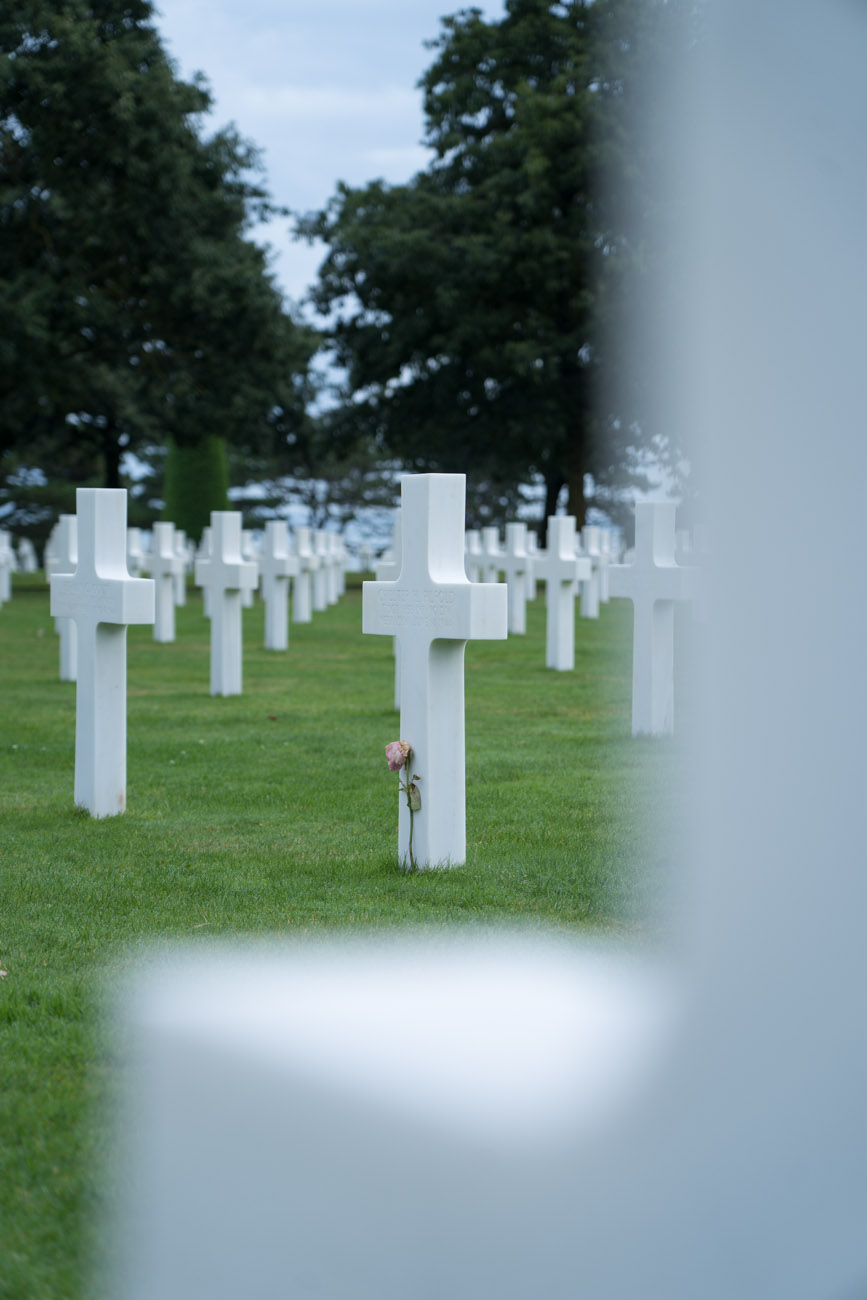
<point x="316" y="564"/>
<point x="424" y="599"/>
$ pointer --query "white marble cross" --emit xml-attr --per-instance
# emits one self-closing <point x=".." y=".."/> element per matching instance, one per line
<point x="7" y="565"/>
<point x="64" y="558"/>
<point x="165" y="566"/>
<point x="134" y="552"/>
<point x="321" y="572"/>
<point x="27" y="556"/>
<point x="308" y="565"/>
<point x="204" y="553"/>
<point x="533" y="553"/>
<point x="341" y="557"/>
<point x="334" y="550"/>
<point x="249" y="552"/>
<point x="277" y="566"/>
<point x="388" y="570"/>
<point x="492" y="555"/>
<point x="590" y="546"/>
<point x="653" y="582"/>
<point x="181" y="576"/>
<point x="224" y="575"/>
<point x="606" y="559"/>
<point x="433" y="610"/>
<point x="473" y="558"/>
<point x="515" y="562"/>
<point x="103" y="600"/>
<point x="561" y="568"/>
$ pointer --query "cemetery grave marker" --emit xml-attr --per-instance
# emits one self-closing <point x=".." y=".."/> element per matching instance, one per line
<point x="63" y="559"/>
<point x="515" y="562"/>
<point x="474" y="560"/>
<point x="333" y="569"/>
<point x="320" y="574"/>
<point x="308" y="564"/>
<point x="7" y="565"/>
<point x="249" y="552"/>
<point x="653" y="582"/>
<point x="204" y="553"/>
<point x="27" y="556"/>
<point x="561" y="568"/>
<point x="590" y="586"/>
<point x="134" y="552"/>
<point x="278" y="565"/>
<point x="182" y="553"/>
<point x="102" y="599"/>
<point x="388" y="570"/>
<point x="224" y="575"/>
<point x="533" y="553"/>
<point x="492" y="555"/>
<point x="165" y="565"/>
<point x="433" y="610"/>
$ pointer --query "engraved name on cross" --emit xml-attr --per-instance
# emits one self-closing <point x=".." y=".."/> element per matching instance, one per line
<point x="653" y="582"/>
<point x="433" y="610"/>
<point x="103" y="600"/>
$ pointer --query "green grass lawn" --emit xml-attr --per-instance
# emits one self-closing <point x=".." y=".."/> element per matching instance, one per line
<point x="274" y="813"/>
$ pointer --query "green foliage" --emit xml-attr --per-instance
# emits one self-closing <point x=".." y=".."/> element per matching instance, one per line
<point x="274" y="814"/>
<point x="196" y="482"/>
<point x="136" y="308"/>
<point x="474" y="304"/>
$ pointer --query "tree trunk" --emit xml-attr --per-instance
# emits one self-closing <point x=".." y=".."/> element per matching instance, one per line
<point x="574" y="470"/>
<point x="553" y="483"/>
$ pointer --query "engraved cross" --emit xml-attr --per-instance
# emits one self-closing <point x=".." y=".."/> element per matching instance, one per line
<point x="433" y="610"/>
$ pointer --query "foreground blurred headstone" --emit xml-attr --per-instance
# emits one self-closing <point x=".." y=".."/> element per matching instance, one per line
<point x="433" y="610"/>
<point x="103" y="600"/>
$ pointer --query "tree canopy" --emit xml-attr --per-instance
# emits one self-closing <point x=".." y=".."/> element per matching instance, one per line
<point x="474" y="308"/>
<point x="137" y="311"/>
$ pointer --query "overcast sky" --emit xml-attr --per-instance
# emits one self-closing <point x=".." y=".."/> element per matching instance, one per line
<point x="327" y="89"/>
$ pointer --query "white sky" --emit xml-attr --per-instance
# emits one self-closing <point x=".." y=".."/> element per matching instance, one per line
<point x="327" y="89"/>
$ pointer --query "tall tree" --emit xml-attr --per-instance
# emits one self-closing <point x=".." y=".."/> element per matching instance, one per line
<point x="138" y="310"/>
<point x="474" y="304"/>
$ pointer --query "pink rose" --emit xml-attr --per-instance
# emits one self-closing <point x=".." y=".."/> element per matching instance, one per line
<point x="397" y="753"/>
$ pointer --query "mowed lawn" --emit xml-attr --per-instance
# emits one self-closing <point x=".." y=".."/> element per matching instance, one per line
<point x="272" y="814"/>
